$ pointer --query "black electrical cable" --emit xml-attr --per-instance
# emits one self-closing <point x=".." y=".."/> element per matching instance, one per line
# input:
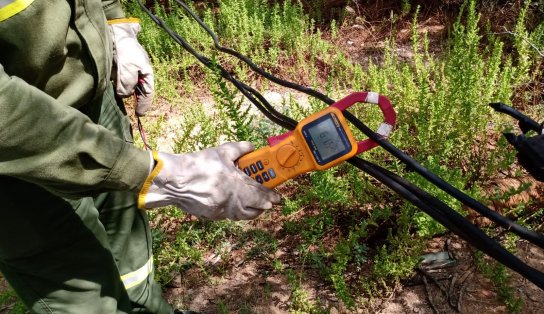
<point x="508" y="224"/>
<point x="246" y="90"/>
<point x="525" y="123"/>
<point x="450" y="219"/>
<point x="253" y="66"/>
<point x="432" y="206"/>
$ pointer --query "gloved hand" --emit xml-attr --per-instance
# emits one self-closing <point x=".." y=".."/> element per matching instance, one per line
<point x="206" y="184"/>
<point x="530" y="153"/>
<point x="131" y="66"/>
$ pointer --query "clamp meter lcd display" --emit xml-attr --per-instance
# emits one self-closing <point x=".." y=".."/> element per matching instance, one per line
<point x="327" y="138"/>
<point x="318" y="142"/>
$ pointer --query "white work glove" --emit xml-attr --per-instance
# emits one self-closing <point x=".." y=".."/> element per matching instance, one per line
<point x="206" y="184"/>
<point x="131" y="72"/>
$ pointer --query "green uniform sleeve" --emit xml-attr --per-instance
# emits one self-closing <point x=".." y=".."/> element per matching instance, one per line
<point x="61" y="149"/>
<point x="113" y="9"/>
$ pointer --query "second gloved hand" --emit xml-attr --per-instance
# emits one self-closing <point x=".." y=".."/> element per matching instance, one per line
<point x="207" y="184"/>
<point x="132" y="72"/>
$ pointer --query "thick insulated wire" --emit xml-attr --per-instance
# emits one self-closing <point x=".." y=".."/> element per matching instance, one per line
<point x="525" y="123"/>
<point x="262" y="104"/>
<point x="450" y="219"/>
<point x="530" y="235"/>
<point x="253" y="66"/>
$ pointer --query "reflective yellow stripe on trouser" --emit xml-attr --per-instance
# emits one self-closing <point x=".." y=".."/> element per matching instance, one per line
<point x="136" y="277"/>
<point x="9" y="8"/>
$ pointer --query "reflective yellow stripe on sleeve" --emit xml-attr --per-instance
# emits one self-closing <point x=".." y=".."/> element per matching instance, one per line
<point x="124" y="20"/>
<point x="9" y="8"/>
<point x="136" y="277"/>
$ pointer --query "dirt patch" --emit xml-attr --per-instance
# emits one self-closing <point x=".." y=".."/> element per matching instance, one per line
<point x="243" y="286"/>
<point x="462" y="289"/>
<point x="239" y="284"/>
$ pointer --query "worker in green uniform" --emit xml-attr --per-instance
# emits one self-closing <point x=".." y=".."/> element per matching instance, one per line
<point x="73" y="234"/>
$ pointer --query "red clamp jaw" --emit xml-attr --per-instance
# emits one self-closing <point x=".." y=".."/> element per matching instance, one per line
<point x="386" y="127"/>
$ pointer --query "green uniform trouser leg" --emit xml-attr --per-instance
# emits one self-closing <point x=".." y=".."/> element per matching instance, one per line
<point x="91" y="255"/>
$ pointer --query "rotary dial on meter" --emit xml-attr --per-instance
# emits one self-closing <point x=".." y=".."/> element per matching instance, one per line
<point x="288" y="156"/>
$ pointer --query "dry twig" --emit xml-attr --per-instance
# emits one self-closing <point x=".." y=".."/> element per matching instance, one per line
<point x="466" y="278"/>
<point x="450" y="292"/>
<point x="429" y="297"/>
<point x="506" y="31"/>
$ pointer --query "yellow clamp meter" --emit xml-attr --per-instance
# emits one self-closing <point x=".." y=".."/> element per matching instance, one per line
<point x="318" y="142"/>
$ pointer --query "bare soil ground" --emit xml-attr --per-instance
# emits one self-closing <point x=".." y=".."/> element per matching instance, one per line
<point x="248" y="287"/>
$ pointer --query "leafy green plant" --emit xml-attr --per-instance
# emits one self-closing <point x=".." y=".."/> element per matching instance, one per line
<point x="199" y="131"/>
<point x="498" y="274"/>
<point x="221" y="307"/>
<point x="299" y="301"/>
<point x="153" y="129"/>
<point x="10" y="301"/>
<point x="259" y="243"/>
<point x="235" y="120"/>
<point x="398" y="258"/>
<point x="180" y="244"/>
<point x="328" y="189"/>
<point x="348" y="251"/>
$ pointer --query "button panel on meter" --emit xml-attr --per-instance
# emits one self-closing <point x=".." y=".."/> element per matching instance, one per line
<point x="258" y="172"/>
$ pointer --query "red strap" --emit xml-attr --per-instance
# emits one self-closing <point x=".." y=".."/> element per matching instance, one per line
<point x="390" y="117"/>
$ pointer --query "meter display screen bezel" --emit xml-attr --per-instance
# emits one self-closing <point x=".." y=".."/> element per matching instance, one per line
<point x="342" y="135"/>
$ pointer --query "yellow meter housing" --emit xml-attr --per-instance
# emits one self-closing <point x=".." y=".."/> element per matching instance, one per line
<point x="319" y="142"/>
